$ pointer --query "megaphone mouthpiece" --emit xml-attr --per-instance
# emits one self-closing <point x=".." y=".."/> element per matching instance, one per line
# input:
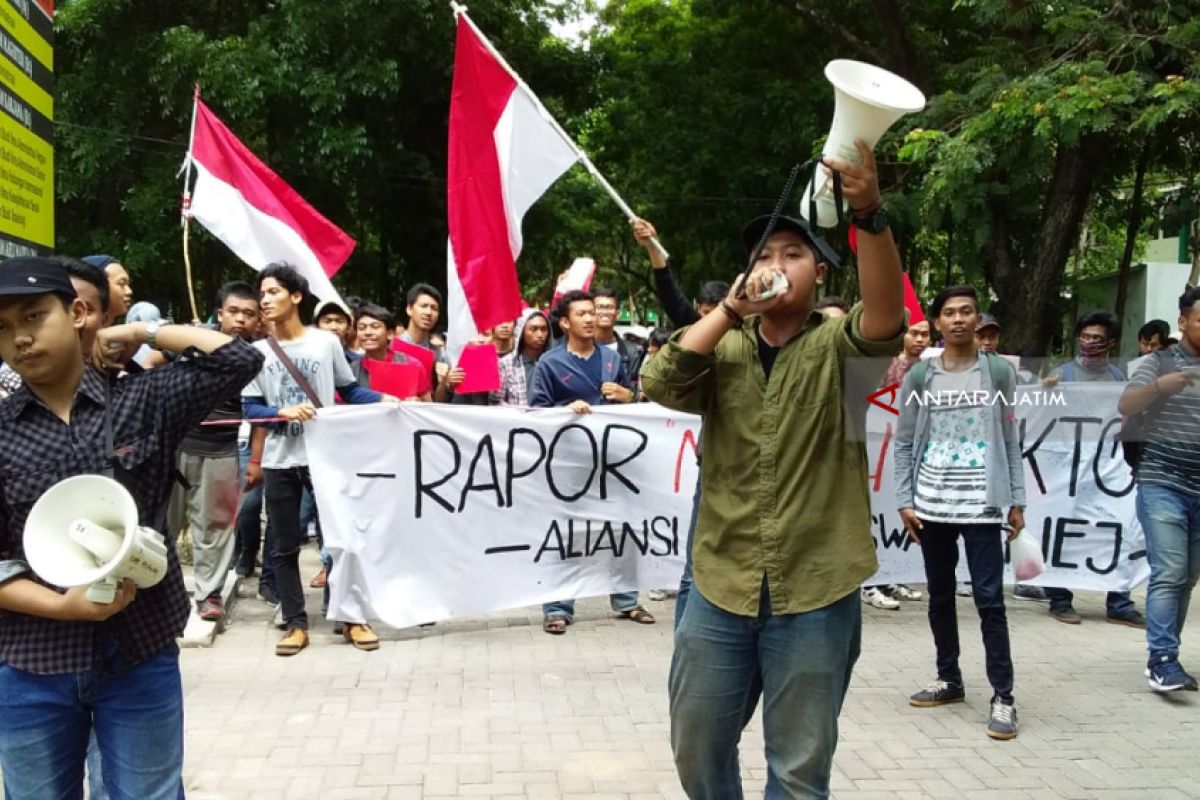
<point x="84" y="531"/>
<point x="98" y="540"/>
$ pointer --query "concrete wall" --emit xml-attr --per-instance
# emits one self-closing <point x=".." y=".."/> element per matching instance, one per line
<point x="1154" y="289"/>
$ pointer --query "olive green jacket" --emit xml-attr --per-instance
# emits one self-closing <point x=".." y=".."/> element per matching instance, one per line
<point x="784" y="477"/>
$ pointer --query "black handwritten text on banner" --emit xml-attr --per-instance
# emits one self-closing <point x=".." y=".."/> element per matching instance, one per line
<point x="1080" y="494"/>
<point x="435" y="511"/>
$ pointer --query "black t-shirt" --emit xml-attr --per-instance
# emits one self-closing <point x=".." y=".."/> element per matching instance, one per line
<point x="766" y="354"/>
<point x="216" y="441"/>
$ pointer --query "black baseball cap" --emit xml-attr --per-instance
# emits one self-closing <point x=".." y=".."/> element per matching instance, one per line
<point x="987" y="320"/>
<point x="34" y="275"/>
<point x="755" y="228"/>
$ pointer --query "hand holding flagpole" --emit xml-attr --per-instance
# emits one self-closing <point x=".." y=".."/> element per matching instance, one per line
<point x="461" y="11"/>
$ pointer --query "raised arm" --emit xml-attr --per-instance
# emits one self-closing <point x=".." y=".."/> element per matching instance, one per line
<point x="880" y="278"/>
<point x="672" y="298"/>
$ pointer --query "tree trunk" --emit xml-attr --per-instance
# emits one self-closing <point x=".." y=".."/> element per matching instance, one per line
<point x="903" y="59"/>
<point x="1029" y="291"/>
<point x="847" y="38"/>
<point x="1132" y="225"/>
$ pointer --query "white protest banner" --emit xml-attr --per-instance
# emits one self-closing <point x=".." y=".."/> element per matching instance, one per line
<point x="1079" y="489"/>
<point x="434" y="511"/>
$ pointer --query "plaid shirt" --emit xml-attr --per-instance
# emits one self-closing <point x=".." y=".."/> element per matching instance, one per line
<point x="514" y="386"/>
<point x="152" y="411"/>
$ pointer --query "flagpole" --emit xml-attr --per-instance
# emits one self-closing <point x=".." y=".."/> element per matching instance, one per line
<point x="187" y="207"/>
<point x="461" y="11"/>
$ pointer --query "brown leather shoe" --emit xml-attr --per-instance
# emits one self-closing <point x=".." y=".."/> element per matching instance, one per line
<point x="361" y="636"/>
<point x="293" y="642"/>
<point x="319" y="580"/>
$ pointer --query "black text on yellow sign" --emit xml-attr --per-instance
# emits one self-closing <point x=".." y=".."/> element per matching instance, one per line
<point x="26" y="131"/>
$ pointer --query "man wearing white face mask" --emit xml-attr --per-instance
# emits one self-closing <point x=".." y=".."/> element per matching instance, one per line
<point x="1096" y="334"/>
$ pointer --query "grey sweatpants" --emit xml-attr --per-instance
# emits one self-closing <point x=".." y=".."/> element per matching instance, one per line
<point x="209" y="509"/>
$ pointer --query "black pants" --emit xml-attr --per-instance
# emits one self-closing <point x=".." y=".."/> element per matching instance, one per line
<point x="284" y="489"/>
<point x="984" y="546"/>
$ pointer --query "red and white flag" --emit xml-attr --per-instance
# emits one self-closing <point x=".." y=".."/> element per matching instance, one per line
<point x="504" y="152"/>
<point x="255" y="213"/>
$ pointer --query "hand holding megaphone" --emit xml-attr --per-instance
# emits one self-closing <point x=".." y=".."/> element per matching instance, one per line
<point x="867" y="101"/>
<point x="860" y="182"/>
<point x="78" y="607"/>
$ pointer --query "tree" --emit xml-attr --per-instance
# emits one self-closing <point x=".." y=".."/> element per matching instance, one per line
<point x="1031" y="125"/>
<point x="346" y="101"/>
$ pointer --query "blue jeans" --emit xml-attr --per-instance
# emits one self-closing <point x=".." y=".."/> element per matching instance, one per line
<point x="308" y="514"/>
<point x="621" y="601"/>
<point x="249" y="526"/>
<point x="1171" y="520"/>
<point x="984" y="546"/>
<point x="1117" y="604"/>
<point x="799" y="663"/>
<point x="685" y="582"/>
<point x="136" y="713"/>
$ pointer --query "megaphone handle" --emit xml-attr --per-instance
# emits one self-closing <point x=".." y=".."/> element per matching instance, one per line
<point x="103" y="591"/>
<point x="835" y="178"/>
<point x="837" y="195"/>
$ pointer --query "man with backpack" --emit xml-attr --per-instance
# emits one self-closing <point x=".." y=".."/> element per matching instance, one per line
<point x="1096" y="333"/>
<point x="958" y="467"/>
<point x="1164" y="398"/>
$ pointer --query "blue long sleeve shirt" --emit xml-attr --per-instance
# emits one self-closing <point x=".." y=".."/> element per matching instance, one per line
<point x="560" y="378"/>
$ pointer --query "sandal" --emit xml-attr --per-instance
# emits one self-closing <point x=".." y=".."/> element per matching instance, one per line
<point x="556" y="626"/>
<point x="319" y="580"/>
<point x="639" y="615"/>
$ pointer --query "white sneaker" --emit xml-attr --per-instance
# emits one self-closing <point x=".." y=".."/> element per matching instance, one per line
<point x="901" y="592"/>
<point x="657" y="594"/>
<point x="873" y="596"/>
<point x="964" y="590"/>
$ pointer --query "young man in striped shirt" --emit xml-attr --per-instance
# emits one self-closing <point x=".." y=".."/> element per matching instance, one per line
<point x="958" y="467"/>
<point x="1165" y="387"/>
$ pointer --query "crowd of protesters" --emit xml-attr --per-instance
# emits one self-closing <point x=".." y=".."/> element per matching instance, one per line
<point x="208" y="429"/>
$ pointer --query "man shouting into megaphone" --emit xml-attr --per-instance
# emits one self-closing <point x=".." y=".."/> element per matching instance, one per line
<point x="783" y="536"/>
<point x="68" y="665"/>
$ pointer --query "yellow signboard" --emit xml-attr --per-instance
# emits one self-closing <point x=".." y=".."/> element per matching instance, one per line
<point x="26" y="129"/>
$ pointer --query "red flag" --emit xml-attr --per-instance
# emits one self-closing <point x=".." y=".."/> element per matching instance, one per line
<point x="255" y="213"/>
<point x="912" y="303"/>
<point x="503" y="154"/>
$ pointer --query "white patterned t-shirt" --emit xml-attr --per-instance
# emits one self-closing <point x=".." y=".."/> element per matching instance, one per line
<point x="952" y="474"/>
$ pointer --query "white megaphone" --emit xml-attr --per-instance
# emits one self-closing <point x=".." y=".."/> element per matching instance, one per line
<point x="867" y="100"/>
<point x="84" y="532"/>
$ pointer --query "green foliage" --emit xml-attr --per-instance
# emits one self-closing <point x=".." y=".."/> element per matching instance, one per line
<point x="694" y="109"/>
<point x="346" y="101"/>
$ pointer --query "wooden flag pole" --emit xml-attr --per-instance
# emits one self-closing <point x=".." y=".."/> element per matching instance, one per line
<point x="187" y="210"/>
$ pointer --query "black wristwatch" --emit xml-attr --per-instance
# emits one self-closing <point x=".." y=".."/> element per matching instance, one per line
<point x="874" y="223"/>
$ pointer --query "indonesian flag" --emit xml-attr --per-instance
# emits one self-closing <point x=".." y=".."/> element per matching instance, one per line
<point x="259" y="217"/>
<point x="504" y="152"/>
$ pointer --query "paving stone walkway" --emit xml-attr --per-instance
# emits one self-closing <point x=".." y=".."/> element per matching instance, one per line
<point x="495" y="708"/>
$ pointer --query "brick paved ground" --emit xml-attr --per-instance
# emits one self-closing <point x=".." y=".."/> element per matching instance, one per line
<point x="495" y="708"/>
